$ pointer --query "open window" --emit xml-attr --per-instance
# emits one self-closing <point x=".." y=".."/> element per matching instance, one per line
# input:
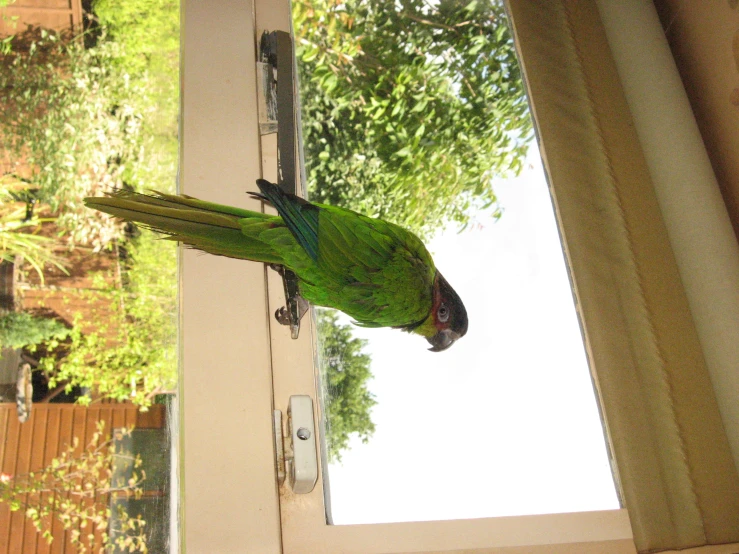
<point x="666" y="429"/>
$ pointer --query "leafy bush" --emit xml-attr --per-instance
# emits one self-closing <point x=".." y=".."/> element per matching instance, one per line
<point x="84" y="125"/>
<point x="149" y="30"/>
<point x="23" y="330"/>
<point x="127" y="352"/>
<point x="73" y="116"/>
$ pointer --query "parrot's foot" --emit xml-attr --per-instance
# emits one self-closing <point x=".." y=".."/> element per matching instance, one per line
<point x="296" y="305"/>
<point x="282" y="315"/>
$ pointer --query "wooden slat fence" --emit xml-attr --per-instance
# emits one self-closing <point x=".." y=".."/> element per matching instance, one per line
<point x="59" y="15"/>
<point x="30" y="446"/>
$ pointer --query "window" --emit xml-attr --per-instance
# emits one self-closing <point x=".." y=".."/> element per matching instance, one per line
<point x="268" y="366"/>
<point x="271" y="367"/>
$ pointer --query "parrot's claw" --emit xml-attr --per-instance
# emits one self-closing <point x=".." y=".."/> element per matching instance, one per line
<point x="293" y="312"/>
<point x="282" y="316"/>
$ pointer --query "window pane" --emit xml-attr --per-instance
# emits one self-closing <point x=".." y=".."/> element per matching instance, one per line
<point x="505" y="422"/>
<point x="143" y="453"/>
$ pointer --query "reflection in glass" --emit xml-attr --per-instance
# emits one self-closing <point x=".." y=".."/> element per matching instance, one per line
<point x="415" y="112"/>
<point x="88" y="306"/>
<point x="345" y="374"/>
<point x="147" y="453"/>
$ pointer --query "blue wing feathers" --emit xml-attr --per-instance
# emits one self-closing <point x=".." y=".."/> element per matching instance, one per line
<point x="300" y="216"/>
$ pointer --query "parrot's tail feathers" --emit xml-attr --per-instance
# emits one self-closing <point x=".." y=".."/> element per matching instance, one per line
<point x="210" y="227"/>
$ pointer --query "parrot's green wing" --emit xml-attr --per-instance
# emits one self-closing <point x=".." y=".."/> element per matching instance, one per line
<point x="387" y="272"/>
<point x="376" y="271"/>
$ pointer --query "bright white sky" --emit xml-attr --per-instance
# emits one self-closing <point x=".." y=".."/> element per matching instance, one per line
<point x="503" y="423"/>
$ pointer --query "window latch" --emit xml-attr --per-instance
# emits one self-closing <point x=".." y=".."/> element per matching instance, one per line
<point x="296" y="451"/>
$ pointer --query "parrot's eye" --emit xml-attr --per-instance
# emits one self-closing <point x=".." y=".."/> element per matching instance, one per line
<point x="443" y="313"/>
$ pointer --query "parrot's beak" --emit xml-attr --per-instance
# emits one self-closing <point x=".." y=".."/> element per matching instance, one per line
<point x="442" y="340"/>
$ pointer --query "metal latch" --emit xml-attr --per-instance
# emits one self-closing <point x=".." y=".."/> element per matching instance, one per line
<point x="297" y="457"/>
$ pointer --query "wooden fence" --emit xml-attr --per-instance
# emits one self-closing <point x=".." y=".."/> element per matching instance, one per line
<point x="58" y="15"/>
<point x="32" y="445"/>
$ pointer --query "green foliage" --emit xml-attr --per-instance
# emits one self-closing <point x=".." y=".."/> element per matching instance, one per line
<point x="18" y="236"/>
<point x="149" y="30"/>
<point x="409" y="107"/>
<point x="74" y="489"/>
<point x="85" y="124"/>
<point x="149" y="33"/>
<point x="68" y="113"/>
<point x="6" y="45"/>
<point x="88" y="115"/>
<point x="23" y="330"/>
<point x="36" y="250"/>
<point x="345" y="371"/>
<point x="129" y="351"/>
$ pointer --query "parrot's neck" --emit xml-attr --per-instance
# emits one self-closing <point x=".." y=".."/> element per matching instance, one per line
<point x="428" y="327"/>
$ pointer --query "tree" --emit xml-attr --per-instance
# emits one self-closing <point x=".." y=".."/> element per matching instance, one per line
<point x="409" y="107"/>
<point x="345" y="370"/>
<point x="149" y="33"/>
<point x="92" y="113"/>
<point x="24" y="330"/>
<point x="75" y="488"/>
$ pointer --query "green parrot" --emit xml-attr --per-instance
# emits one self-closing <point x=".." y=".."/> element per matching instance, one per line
<point x="376" y="272"/>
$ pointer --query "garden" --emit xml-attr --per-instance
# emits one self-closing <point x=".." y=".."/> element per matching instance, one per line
<point x="87" y="112"/>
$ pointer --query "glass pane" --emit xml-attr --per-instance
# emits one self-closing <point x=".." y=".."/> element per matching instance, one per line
<point x="145" y="456"/>
<point x="88" y="305"/>
<point x="420" y="117"/>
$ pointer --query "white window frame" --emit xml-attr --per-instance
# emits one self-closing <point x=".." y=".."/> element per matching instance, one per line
<point x="238" y="365"/>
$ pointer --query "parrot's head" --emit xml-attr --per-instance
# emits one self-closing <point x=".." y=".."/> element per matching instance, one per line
<point x="447" y="321"/>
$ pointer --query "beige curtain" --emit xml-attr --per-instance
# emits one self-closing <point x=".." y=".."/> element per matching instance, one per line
<point x="671" y="455"/>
